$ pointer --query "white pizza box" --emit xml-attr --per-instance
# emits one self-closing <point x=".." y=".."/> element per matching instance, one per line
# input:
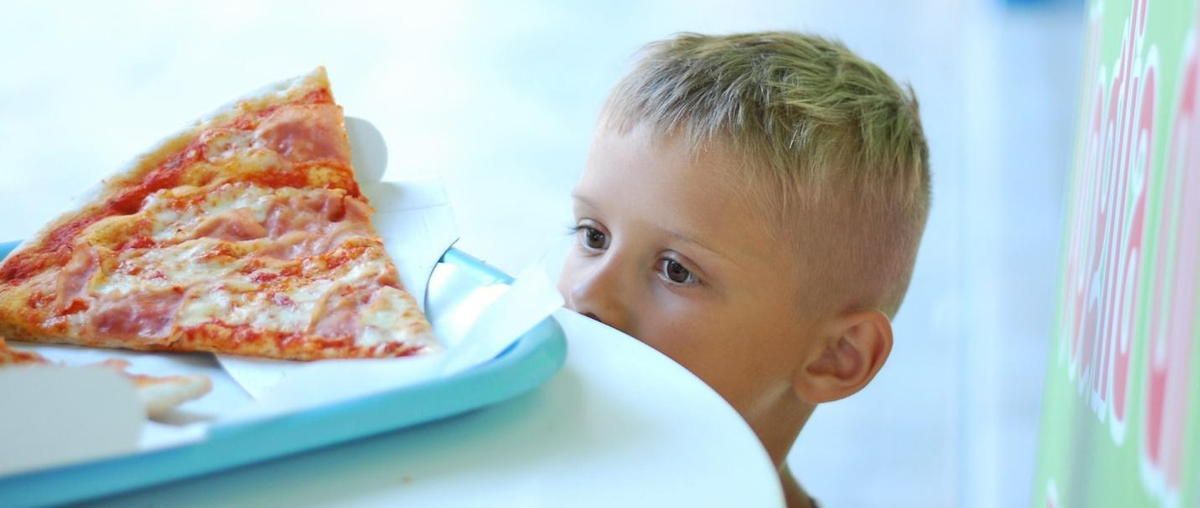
<point x="54" y="417"/>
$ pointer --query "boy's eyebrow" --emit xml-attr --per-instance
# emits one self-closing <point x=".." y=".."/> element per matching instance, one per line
<point x="580" y="197"/>
<point x="678" y="235"/>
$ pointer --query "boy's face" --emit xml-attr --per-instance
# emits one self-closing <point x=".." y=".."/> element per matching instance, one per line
<point x="671" y="250"/>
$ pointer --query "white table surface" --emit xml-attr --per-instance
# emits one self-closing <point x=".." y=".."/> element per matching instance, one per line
<point x="619" y="425"/>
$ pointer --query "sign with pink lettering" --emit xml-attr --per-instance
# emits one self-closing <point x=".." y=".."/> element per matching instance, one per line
<point x="1121" y="417"/>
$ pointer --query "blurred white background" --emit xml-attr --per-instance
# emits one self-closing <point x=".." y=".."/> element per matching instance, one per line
<point x="499" y="98"/>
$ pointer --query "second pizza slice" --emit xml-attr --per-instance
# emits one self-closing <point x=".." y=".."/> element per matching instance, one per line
<point x="246" y="234"/>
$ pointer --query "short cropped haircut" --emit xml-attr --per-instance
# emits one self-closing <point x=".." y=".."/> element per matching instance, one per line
<point x="841" y="141"/>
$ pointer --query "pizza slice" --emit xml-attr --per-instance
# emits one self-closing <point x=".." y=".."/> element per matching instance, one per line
<point x="246" y="234"/>
<point x="158" y="394"/>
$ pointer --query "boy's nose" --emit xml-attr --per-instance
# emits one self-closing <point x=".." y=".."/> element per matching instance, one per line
<point x="597" y="295"/>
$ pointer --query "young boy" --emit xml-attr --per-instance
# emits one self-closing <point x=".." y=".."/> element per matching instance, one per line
<point x="751" y="207"/>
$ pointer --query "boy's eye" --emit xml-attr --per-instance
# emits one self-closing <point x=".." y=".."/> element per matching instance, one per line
<point x="592" y="238"/>
<point x="674" y="271"/>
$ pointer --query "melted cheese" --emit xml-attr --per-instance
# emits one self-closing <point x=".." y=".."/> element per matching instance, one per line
<point x="181" y="265"/>
<point x="221" y="145"/>
<point x="223" y="289"/>
<point x="288" y="312"/>
<point x="385" y="317"/>
<point x="296" y="310"/>
<point x="176" y="213"/>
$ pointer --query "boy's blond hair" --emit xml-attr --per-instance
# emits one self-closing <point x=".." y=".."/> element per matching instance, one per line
<point x="833" y="132"/>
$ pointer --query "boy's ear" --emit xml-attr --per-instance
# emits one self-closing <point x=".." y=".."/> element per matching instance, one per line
<point x="845" y="357"/>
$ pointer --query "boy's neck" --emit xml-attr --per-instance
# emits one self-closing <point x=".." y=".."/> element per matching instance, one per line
<point x="777" y="427"/>
<point x="778" y="424"/>
<point x="793" y="494"/>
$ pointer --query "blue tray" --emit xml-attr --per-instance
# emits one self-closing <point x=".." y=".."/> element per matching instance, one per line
<point x="528" y="363"/>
